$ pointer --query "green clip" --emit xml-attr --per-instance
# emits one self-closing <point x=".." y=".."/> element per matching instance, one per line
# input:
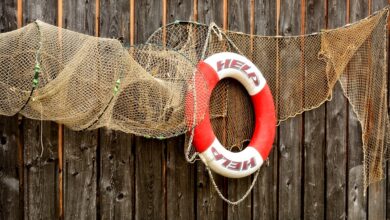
<point x="117" y="84"/>
<point x="37" y="70"/>
<point x="160" y="138"/>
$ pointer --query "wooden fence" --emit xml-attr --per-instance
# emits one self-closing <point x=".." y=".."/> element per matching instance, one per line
<point x="314" y="171"/>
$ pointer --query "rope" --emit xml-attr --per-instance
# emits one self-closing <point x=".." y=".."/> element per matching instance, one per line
<point x="192" y="159"/>
<point x="223" y="197"/>
<point x="41" y="140"/>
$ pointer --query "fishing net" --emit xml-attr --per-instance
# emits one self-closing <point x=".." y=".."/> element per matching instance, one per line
<point x="85" y="82"/>
<point x="301" y="72"/>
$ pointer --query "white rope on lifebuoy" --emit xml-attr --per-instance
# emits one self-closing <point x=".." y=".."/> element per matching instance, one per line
<point x="212" y="153"/>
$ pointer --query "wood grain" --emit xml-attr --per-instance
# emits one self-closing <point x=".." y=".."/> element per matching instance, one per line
<point x="150" y="154"/>
<point x="40" y="176"/>
<point x="116" y="183"/>
<point x="265" y="192"/>
<point x="314" y="170"/>
<point x="265" y="195"/>
<point x="357" y="202"/>
<point x="80" y="173"/>
<point x="336" y="133"/>
<point x="209" y="205"/>
<point x="117" y="175"/>
<point x="80" y="148"/>
<point x="9" y="176"/>
<point x="238" y="20"/>
<point x="377" y="191"/>
<point x="290" y="139"/>
<point x="180" y="174"/>
<point x="314" y="135"/>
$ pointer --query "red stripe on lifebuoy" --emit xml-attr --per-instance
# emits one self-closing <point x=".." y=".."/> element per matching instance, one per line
<point x="265" y="121"/>
<point x="203" y="133"/>
<point x="206" y="80"/>
<point x="209" y="74"/>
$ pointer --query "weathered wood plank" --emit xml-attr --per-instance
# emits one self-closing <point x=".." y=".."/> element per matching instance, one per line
<point x="314" y="136"/>
<point x="115" y="19"/>
<point x="238" y="20"/>
<point x="79" y="16"/>
<point x="180" y="182"/>
<point x="209" y="205"/>
<point x="210" y="11"/>
<point x="80" y="174"/>
<point x="265" y="191"/>
<point x="80" y="162"/>
<point x="336" y="133"/>
<point x="9" y="176"/>
<point x="41" y="180"/>
<point x="116" y="184"/>
<point x="148" y="18"/>
<point x="180" y="174"/>
<point x="377" y="191"/>
<point x="357" y="202"/>
<point x="40" y="176"/>
<point x="149" y="174"/>
<point x="377" y="201"/>
<point x="117" y="175"/>
<point x="290" y="139"/>
<point x="388" y="192"/>
<point x="150" y="167"/>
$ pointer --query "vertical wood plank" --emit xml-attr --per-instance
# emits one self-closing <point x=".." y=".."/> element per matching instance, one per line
<point x="377" y="191"/>
<point x="117" y="175"/>
<point x="377" y="201"/>
<point x="180" y="174"/>
<point x="357" y="202"/>
<point x="150" y="197"/>
<point x="79" y="174"/>
<point x="180" y="182"/>
<point x="290" y="139"/>
<point x="41" y="180"/>
<point x="210" y="11"/>
<point x="116" y="148"/>
<point x="209" y="205"/>
<point x="388" y="192"/>
<point x="40" y="176"/>
<point x="238" y="20"/>
<point x="314" y="136"/>
<point x="265" y="191"/>
<point x="80" y="162"/>
<point x="150" y="193"/>
<point x="9" y="176"/>
<point x="336" y="133"/>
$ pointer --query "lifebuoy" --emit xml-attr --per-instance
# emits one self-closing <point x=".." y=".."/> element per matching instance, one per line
<point x="211" y="151"/>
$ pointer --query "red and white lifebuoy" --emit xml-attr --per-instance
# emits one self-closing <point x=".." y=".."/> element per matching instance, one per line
<point x="211" y="151"/>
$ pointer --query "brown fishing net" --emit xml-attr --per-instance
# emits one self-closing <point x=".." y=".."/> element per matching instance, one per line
<point x="302" y="72"/>
<point x="84" y="82"/>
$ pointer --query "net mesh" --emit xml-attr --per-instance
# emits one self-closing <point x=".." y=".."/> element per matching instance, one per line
<point x="86" y="82"/>
<point x="301" y="72"/>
